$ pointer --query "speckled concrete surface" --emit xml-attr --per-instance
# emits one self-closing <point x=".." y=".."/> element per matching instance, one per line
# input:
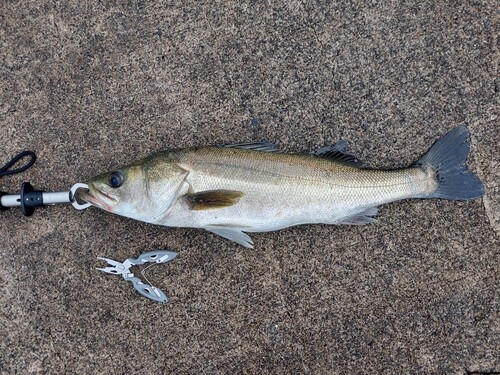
<point x="89" y="87"/>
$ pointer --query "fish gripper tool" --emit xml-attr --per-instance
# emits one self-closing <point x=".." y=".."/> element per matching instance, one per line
<point x="29" y="199"/>
<point x="123" y="269"/>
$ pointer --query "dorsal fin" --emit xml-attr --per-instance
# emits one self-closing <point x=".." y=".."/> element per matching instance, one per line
<point x="256" y="146"/>
<point x="338" y="153"/>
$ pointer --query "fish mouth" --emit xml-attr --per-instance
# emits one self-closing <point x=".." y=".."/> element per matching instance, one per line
<point x="99" y="198"/>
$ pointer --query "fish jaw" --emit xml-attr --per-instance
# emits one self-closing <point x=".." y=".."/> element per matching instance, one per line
<point x="99" y="198"/>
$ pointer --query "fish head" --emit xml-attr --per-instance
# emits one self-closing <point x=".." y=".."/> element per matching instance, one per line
<point x="144" y="190"/>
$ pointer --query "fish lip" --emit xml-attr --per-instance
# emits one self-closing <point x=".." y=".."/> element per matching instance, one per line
<point x="100" y="198"/>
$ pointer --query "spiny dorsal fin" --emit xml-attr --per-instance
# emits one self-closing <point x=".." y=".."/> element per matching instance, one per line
<point x="256" y="146"/>
<point x="210" y="199"/>
<point x="338" y="153"/>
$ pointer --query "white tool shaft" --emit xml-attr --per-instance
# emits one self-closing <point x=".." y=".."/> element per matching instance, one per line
<point x="14" y="200"/>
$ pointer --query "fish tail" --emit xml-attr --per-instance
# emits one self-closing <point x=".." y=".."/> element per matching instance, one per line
<point x="447" y="159"/>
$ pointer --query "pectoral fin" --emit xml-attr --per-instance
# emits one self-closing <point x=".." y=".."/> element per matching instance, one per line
<point x="233" y="234"/>
<point x="210" y="199"/>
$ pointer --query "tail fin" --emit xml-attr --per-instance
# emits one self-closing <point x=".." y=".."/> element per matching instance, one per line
<point x="448" y="157"/>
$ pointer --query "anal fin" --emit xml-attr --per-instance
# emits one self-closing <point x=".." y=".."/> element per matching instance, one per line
<point x="364" y="217"/>
<point x="233" y="234"/>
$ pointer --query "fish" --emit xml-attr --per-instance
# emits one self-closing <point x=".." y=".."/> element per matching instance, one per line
<point x="233" y="190"/>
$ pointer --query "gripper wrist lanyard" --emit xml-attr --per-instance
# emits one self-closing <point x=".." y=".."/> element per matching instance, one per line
<point x="29" y="199"/>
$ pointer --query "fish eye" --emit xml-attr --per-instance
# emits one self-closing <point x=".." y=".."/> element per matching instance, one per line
<point x="116" y="179"/>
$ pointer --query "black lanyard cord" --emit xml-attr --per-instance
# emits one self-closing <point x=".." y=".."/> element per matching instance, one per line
<point x="4" y="171"/>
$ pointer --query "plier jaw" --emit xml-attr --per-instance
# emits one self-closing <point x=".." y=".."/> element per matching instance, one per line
<point x="117" y="268"/>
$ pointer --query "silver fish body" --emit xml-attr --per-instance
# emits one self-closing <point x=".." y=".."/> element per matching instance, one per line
<point x="250" y="188"/>
<point x="282" y="190"/>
